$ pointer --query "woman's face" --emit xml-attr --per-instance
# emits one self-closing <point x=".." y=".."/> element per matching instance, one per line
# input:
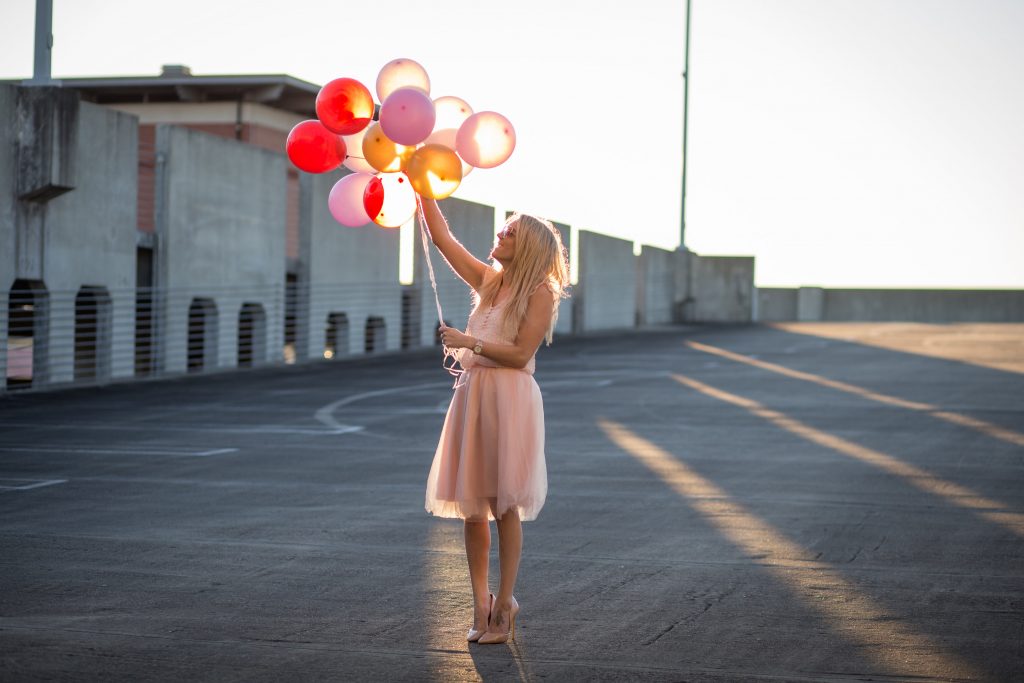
<point x="505" y="248"/>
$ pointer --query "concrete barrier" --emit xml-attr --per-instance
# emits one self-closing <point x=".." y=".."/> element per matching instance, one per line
<point x="8" y="234"/>
<point x="472" y="224"/>
<point x="810" y="303"/>
<point x="923" y="305"/>
<point x="722" y="288"/>
<point x="776" y="304"/>
<point x="73" y="231"/>
<point x="656" y="285"/>
<point x="605" y="296"/>
<point x="221" y="243"/>
<point x="893" y="305"/>
<point x="219" y="257"/>
<point x="564" y="323"/>
<point x="346" y="271"/>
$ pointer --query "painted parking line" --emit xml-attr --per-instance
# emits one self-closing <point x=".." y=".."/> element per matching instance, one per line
<point x="116" y="451"/>
<point x="325" y="415"/>
<point x="19" y="484"/>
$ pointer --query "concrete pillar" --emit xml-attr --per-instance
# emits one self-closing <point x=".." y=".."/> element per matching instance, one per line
<point x="122" y="335"/>
<point x="682" y="285"/>
<point x="810" y="304"/>
<point x="61" y="340"/>
<point x="307" y="343"/>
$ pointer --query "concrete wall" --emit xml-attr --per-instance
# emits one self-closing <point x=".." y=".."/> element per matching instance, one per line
<point x="8" y="156"/>
<point x="564" y="323"/>
<point x="895" y="305"/>
<point x="472" y="224"/>
<point x="606" y="292"/>
<point x="220" y="210"/>
<point x="924" y="305"/>
<point x="81" y="236"/>
<point x="220" y="227"/>
<point x="656" y="285"/>
<point x="348" y="270"/>
<point x="776" y="304"/>
<point x="723" y="289"/>
<point x="90" y="237"/>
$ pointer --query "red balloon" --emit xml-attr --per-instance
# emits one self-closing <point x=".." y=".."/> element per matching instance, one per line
<point x="373" y="197"/>
<point x="345" y="106"/>
<point x="315" y="149"/>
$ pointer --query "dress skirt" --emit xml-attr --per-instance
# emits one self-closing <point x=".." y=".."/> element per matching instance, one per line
<point x="490" y="457"/>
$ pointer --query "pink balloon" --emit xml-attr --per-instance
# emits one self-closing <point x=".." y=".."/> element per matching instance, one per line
<point x="485" y="140"/>
<point x="407" y="116"/>
<point x="345" y="202"/>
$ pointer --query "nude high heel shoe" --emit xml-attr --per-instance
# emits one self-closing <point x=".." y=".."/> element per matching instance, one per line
<point x="475" y="633"/>
<point x="495" y="637"/>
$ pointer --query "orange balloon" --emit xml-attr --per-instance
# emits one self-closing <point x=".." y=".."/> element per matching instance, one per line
<point x="435" y="171"/>
<point x="383" y="153"/>
<point x="446" y="138"/>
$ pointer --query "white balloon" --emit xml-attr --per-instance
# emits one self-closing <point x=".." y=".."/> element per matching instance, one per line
<point x="401" y="73"/>
<point x="355" y="162"/>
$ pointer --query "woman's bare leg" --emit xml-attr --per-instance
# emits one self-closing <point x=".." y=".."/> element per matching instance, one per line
<point x="478" y="549"/>
<point x="510" y="550"/>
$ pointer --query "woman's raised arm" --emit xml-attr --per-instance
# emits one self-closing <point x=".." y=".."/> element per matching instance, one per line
<point x="468" y="267"/>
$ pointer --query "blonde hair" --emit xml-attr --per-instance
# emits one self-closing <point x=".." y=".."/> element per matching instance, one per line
<point x="540" y="259"/>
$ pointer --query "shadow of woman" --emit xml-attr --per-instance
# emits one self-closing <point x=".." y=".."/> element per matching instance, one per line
<point x="505" y="661"/>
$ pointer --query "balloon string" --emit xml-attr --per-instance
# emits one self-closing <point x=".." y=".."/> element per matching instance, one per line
<point x="454" y="369"/>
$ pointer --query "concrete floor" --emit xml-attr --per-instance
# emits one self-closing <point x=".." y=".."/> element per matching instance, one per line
<point x="726" y="504"/>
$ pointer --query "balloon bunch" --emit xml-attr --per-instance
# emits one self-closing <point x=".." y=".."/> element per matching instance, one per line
<point x="418" y="145"/>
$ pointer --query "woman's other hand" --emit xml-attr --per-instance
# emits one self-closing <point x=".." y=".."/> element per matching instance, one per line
<point x="454" y="339"/>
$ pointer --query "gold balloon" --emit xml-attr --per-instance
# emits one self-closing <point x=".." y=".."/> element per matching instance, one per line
<point x="435" y="171"/>
<point x="383" y="153"/>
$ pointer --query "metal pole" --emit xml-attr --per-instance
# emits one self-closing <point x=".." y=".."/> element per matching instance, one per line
<point x="44" y="44"/>
<point x="686" y="115"/>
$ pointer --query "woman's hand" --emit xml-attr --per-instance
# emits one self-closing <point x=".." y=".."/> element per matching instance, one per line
<point x="454" y="339"/>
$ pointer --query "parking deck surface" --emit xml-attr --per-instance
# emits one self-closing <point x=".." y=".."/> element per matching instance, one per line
<point x="725" y="504"/>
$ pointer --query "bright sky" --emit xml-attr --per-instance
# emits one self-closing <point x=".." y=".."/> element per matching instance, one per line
<point x="841" y="142"/>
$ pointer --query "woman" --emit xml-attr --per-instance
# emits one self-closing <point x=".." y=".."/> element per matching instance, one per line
<point x="489" y="462"/>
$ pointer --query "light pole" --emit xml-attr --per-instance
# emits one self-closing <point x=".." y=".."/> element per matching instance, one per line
<point x="686" y="114"/>
<point x="41" y="71"/>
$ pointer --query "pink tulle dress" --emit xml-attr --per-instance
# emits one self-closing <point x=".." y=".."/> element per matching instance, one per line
<point x="491" y="451"/>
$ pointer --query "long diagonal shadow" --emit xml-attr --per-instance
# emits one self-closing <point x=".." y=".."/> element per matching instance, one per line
<point x="956" y="494"/>
<point x="993" y="430"/>
<point x="890" y="643"/>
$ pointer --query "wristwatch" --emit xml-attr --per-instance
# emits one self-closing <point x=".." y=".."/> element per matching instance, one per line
<point x="479" y="347"/>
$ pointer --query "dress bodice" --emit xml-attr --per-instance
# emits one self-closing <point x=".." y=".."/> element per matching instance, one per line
<point x="485" y="325"/>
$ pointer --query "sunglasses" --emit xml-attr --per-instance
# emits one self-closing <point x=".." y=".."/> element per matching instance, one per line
<point x="507" y="231"/>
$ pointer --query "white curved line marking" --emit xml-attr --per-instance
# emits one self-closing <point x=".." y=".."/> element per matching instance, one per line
<point x="325" y="415"/>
